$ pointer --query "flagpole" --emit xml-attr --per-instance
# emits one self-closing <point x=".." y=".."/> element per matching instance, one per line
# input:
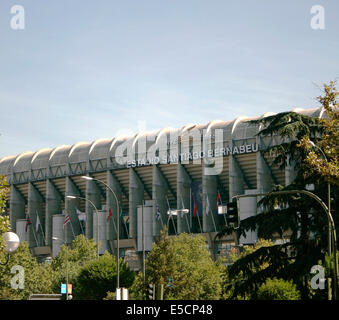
<point x="82" y="229"/>
<point x="191" y="215"/>
<point x="169" y="208"/>
<point x="183" y="207"/>
<point x="210" y="211"/>
<point x="37" y="223"/>
<point x="36" y="240"/>
<point x="43" y="234"/>
<point x="223" y="214"/>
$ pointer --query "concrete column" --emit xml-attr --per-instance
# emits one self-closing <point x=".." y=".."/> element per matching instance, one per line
<point x="236" y="180"/>
<point x="17" y="207"/>
<point x="264" y="180"/>
<point x="136" y="196"/>
<point x="290" y="172"/>
<point x="183" y="199"/>
<point x="35" y="231"/>
<point x="111" y="203"/>
<point x="92" y="194"/>
<point x="53" y="206"/>
<point x="159" y="195"/>
<point x="210" y="190"/>
<point x="72" y="229"/>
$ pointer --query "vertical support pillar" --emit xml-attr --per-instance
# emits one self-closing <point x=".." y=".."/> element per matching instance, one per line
<point x="264" y="179"/>
<point x="159" y="195"/>
<point x="236" y="180"/>
<point x="53" y="206"/>
<point x="35" y="234"/>
<point x="93" y="194"/>
<point x="111" y="203"/>
<point x="72" y="229"/>
<point x="209" y="189"/>
<point x="17" y="207"/>
<point x="290" y="172"/>
<point x="136" y="196"/>
<point x="183" y="198"/>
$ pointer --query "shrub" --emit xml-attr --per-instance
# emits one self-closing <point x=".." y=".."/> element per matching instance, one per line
<point x="278" y="289"/>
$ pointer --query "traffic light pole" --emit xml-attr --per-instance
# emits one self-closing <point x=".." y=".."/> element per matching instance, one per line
<point x="331" y="225"/>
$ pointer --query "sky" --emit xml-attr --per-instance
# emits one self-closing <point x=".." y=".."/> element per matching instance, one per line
<point x="84" y="70"/>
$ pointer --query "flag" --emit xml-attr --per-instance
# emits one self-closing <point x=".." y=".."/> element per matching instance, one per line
<point x="67" y="219"/>
<point x="109" y="215"/>
<point x="219" y="202"/>
<point x="207" y="206"/>
<point x="81" y="215"/>
<point x="195" y="208"/>
<point x="37" y="223"/>
<point x="157" y="213"/>
<point x="183" y="207"/>
<point x="28" y="221"/>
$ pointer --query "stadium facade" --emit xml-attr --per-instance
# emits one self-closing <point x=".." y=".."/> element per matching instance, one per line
<point x="196" y="167"/>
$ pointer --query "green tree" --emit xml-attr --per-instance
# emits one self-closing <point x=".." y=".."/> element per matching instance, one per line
<point x="297" y="215"/>
<point x="81" y="252"/>
<point x="4" y="220"/>
<point x="99" y="277"/>
<point x="184" y="266"/>
<point x="38" y="278"/>
<point x="278" y="289"/>
<point x="237" y="283"/>
<point x="329" y="140"/>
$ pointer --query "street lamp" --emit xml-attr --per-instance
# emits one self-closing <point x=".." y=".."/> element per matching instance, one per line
<point x="117" y="227"/>
<point x="313" y="145"/>
<point x="12" y="243"/>
<point x="58" y="239"/>
<point x="96" y="211"/>
<point x="329" y="217"/>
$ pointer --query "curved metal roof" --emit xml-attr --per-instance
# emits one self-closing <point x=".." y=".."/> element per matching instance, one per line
<point x="100" y="149"/>
<point x="41" y="158"/>
<point x="59" y="155"/>
<point x="79" y="152"/>
<point x="22" y="162"/>
<point x="235" y="129"/>
<point x="6" y="164"/>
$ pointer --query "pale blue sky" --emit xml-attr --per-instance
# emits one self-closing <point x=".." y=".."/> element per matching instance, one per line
<point x="83" y="70"/>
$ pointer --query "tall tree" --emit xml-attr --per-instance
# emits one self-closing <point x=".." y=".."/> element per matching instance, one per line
<point x="184" y="266"/>
<point x="298" y="215"/>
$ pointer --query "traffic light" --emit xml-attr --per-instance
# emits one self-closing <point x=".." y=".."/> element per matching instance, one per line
<point x="232" y="215"/>
<point x="151" y="291"/>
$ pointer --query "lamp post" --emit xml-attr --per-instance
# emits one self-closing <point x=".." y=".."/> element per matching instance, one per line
<point x="58" y="239"/>
<point x="312" y="144"/>
<point x="96" y="211"/>
<point x="118" y="223"/>
<point x="329" y="217"/>
<point x="12" y="243"/>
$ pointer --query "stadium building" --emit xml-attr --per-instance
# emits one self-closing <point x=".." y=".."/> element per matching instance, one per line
<point x="197" y="167"/>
